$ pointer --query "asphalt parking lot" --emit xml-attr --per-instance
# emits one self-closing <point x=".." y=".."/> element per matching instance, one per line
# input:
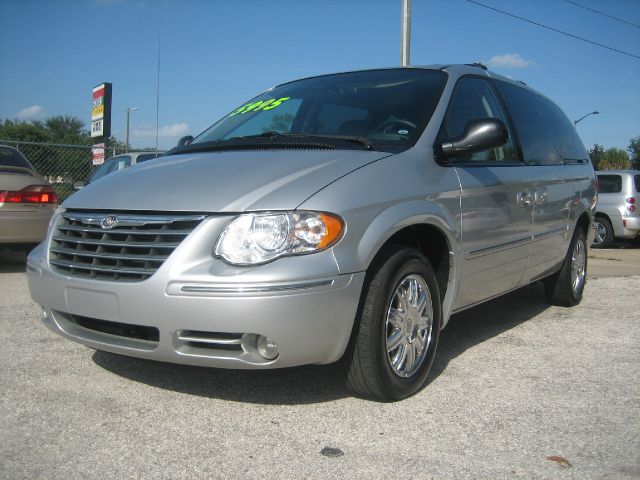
<point x="519" y="390"/>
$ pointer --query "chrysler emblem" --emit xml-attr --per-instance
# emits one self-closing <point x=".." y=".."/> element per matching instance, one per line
<point x="109" y="222"/>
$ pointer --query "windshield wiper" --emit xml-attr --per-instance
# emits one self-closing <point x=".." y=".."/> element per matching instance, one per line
<point x="302" y="136"/>
<point x="267" y="140"/>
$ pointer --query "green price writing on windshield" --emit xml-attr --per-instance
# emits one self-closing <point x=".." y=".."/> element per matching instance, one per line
<point x="262" y="105"/>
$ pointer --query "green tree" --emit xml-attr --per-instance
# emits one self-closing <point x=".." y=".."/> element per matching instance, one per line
<point x="67" y="129"/>
<point x="615" y="159"/>
<point x="56" y="129"/>
<point x="596" y="154"/>
<point x="24" y="131"/>
<point x="634" y="152"/>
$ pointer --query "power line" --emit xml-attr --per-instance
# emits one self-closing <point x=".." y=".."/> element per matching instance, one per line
<point x="602" y="13"/>
<point x="554" y="29"/>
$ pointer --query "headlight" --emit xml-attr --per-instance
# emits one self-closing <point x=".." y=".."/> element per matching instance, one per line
<point x="256" y="238"/>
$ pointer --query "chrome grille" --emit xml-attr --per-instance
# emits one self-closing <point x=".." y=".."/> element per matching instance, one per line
<point x="120" y="247"/>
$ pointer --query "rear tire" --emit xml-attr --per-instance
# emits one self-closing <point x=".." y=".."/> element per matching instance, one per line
<point x="604" y="233"/>
<point x="396" y="333"/>
<point x="565" y="287"/>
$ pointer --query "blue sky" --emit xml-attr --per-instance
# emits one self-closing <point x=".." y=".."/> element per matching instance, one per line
<point x="216" y="54"/>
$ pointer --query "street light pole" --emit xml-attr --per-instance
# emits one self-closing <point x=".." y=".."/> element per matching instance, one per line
<point x="126" y="138"/>
<point x="585" y="116"/>
<point x="405" y="33"/>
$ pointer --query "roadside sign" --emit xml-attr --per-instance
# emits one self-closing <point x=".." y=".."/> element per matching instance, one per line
<point x="101" y="111"/>
<point x="97" y="154"/>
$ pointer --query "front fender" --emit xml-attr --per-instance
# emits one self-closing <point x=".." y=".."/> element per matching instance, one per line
<point x="389" y="222"/>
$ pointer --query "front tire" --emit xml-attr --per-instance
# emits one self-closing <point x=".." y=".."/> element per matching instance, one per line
<point x="565" y="287"/>
<point x="396" y="333"/>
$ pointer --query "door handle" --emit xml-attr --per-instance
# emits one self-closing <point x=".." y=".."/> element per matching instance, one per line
<point x="524" y="199"/>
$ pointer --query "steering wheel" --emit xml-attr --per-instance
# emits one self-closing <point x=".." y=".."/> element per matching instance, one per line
<point x="386" y="126"/>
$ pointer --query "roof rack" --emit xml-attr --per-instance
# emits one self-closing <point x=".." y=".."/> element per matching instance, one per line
<point x="477" y="64"/>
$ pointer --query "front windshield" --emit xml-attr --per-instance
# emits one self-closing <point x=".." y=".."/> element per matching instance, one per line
<point x="101" y="171"/>
<point x="388" y="109"/>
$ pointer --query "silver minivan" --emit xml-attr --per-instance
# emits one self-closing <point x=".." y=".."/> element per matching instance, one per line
<point x="340" y="217"/>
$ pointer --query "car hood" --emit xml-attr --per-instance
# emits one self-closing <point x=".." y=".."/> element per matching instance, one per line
<point x="221" y="181"/>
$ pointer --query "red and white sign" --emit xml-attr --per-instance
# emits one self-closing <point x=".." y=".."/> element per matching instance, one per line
<point x="97" y="154"/>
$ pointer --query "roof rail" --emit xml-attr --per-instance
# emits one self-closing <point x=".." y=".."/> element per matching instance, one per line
<point x="477" y="64"/>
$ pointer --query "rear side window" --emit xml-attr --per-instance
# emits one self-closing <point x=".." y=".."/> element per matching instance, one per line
<point x="610" y="183"/>
<point x="636" y="181"/>
<point x="13" y="158"/>
<point x="546" y="134"/>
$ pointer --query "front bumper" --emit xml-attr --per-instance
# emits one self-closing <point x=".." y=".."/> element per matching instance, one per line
<point x="196" y="310"/>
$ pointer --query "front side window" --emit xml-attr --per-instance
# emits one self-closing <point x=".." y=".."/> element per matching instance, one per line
<point x="473" y="99"/>
<point x="387" y="109"/>
<point x="609" y="183"/>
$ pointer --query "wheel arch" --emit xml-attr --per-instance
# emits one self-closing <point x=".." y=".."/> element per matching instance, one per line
<point x="422" y="225"/>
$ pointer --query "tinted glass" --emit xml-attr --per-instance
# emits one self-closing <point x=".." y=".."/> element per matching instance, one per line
<point x="112" y="165"/>
<point x="473" y="99"/>
<point x="120" y="163"/>
<point x="610" y="183"/>
<point x="101" y="171"/>
<point x="547" y="136"/>
<point x="12" y="158"/>
<point x="388" y="107"/>
<point x="636" y="181"/>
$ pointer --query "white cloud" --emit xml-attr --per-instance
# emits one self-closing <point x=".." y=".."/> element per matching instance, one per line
<point x="168" y="131"/>
<point x="509" y="60"/>
<point x="34" y="112"/>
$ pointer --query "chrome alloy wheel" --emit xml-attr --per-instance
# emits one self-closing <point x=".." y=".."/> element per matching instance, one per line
<point x="578" y="266"/>
<point x="408" y="326"/>
<point x="601" y="232"/>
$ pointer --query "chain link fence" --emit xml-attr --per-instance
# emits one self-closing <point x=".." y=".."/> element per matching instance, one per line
<point x="61" y="165"/>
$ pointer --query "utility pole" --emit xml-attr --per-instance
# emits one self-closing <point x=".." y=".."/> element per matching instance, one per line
<point x="406" y="33"/>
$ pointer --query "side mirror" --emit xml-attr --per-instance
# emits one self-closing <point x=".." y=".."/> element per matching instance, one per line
<point x="78" y="185"/>
<point x="184" y="141"/>
<point x="479" y="135"/>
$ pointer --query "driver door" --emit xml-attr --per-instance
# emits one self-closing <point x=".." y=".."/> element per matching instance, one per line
<point x="497" y="224"/>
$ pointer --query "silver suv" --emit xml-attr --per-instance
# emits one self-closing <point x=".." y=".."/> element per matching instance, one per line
<point x="340" y="217"/>
<point x="617" y="214"/>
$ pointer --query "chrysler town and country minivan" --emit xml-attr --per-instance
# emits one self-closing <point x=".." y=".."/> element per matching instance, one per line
<point x="340" y="217"/>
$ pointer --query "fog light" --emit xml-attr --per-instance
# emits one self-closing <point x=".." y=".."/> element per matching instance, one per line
<point x="267" y="347"/>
